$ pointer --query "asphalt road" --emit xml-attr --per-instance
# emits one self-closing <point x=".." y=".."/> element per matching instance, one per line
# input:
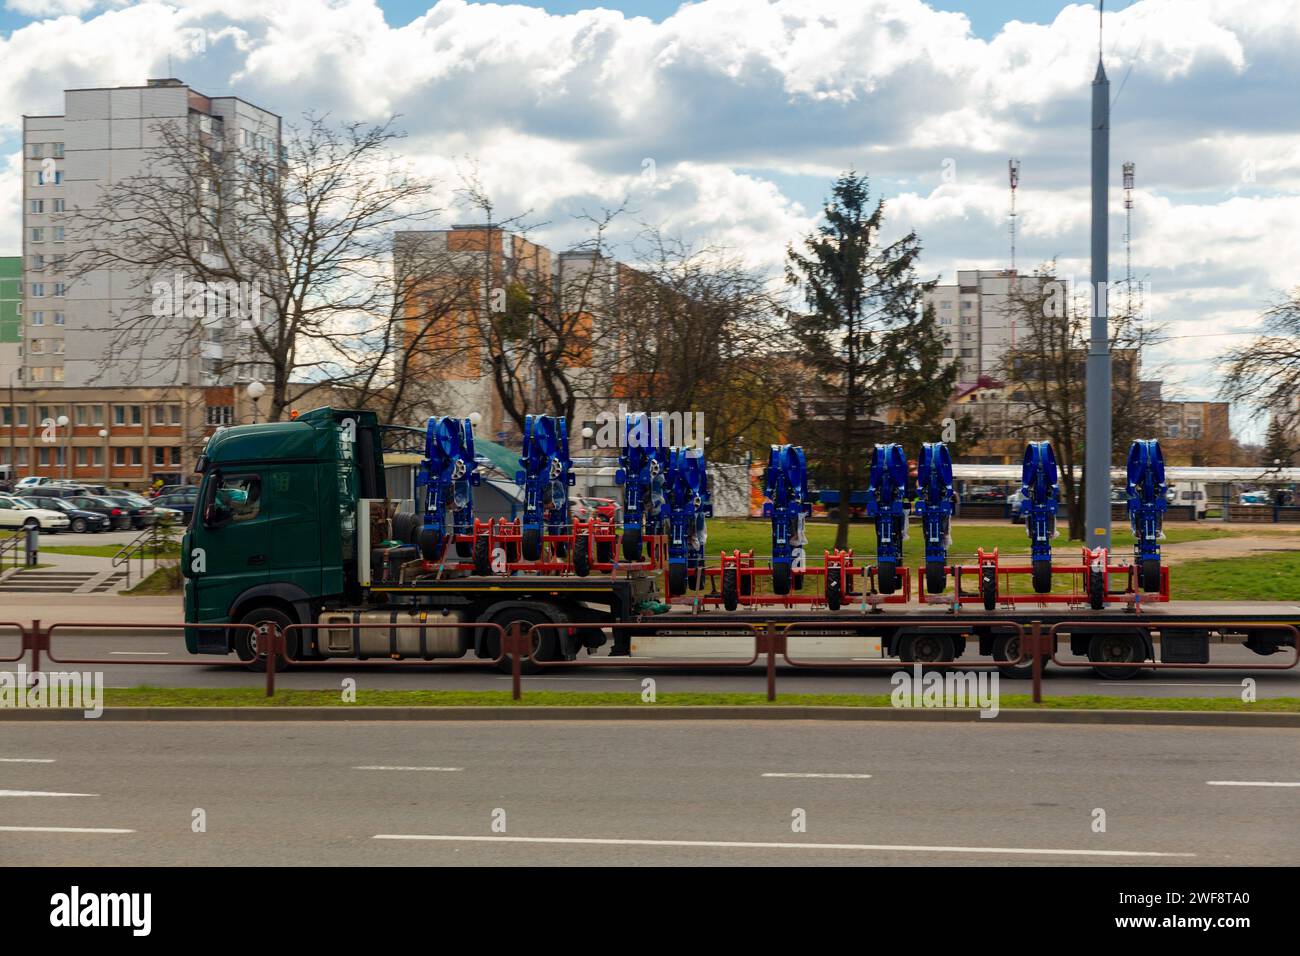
<point x="137" y="660"/>
<point x="645" y="793"/>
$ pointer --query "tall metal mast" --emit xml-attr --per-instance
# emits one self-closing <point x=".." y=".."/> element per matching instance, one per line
<point x="1097" y="437"/>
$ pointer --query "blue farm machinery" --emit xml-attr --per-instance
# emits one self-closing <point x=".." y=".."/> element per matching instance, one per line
<point x="687" y="504"/>
<point x="641" y="468"/>
<point x="887" y="505"/>
<point x="934" y="501"/>
<point x="447" y="474"/>
<point x="1147" y="502"/>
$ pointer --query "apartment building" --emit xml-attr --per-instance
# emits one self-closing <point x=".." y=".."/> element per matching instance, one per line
<point x="976" y="319"/>
<point x="102" y="137"/>
<point x="465" y="282"/>
<point x="11" y="317"/>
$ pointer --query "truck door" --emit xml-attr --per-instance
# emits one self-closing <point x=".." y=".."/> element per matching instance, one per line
<point x="294" y="525"/>
<point x="231" y="536"/>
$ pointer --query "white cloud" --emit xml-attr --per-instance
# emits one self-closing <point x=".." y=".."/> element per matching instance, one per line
<point x="748" y="109"/>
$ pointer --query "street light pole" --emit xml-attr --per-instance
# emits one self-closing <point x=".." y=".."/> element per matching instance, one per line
<point x="255" y="390"/>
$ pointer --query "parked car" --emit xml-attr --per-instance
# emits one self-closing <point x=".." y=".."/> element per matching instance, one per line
<point x="17" y="513"/>
<point x="1255" y="498"/>
<point x="182" y="502"/>
<point x="119" y="518"/>
<point x="983" y="493"/>
<point x="166" y="490"/>
<point x="140" y="510"/>
<point x="81" y="520"/>
<point x="584" y="509"/>
<point x="31" y="481"/>
<point x="60" y="490"/>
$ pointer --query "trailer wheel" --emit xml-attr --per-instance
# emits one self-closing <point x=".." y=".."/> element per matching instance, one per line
<point x="1116" y="648"/>
<point x="780" y="579"/>
<point x="582" y="556"/>
<point x="935" y="578"/>
<point x="482" y="555"/>
<point x="926" y="649"/>
<point x="730" y="590"/>
<point x="1042" y="577"/>
<point x="676" y="580"/>
<point x="834" y="589"/>
<point x="1096" y="590"/>
<point x="887" y="577"/>
<point x="1150" y="572"/>
<point x="631" y="544"/>
<point x="1007" y="648"/>
<point x="989" y="588"/>
<point x="248" y="643"/>
<point x="532" y="544"/>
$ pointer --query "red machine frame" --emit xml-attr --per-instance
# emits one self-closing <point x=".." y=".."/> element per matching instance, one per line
<point x="1080" y="596"/>
<point x="840" y="562"/>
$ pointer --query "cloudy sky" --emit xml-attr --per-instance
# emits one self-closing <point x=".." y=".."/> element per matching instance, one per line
<point x="725" y="120"/>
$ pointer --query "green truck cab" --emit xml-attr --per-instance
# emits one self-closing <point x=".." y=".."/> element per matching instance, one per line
<point x="293" y="526"/>
<point x="275" y="529"/>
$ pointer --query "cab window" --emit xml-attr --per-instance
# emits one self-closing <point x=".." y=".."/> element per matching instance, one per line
<point x="241" y="495"/>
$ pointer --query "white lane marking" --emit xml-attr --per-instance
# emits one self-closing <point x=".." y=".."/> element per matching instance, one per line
<point x="828" y="776"/>
<point x="141" y="653"/>
<point x="42" y="793"/>
<point x="443" y="769"/>
<point x="26" y="760"/>
<point x="728" y="844"/>
<point x="62" y="830"/>
<point x="1111" y="683"/>
<point x="1253" y="783"/>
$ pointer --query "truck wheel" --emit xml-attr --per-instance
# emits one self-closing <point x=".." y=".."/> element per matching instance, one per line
<point x="887" y="577"/>
<point x="926" y="649"/>
<point x="1042" y="577"/>
<point x="676" y="580"/>
<point x="1007" y="648"/>
<point x="582" y="556"/>
<point x="249" y="645"/>
<point x="989" y="588"/>
<point x="780" y="579"/>
<point x="730" y="590"/>
<point x="1151" y="575"/>
<point x="834" y="590"/>
<point x="546" y="642"/>
<point x="1117" y="648"/>
<point x="1096" y="590"/>
<point x="935" y="578"/>
<point x="532" y="544"/>
<point x="631" y="544"/>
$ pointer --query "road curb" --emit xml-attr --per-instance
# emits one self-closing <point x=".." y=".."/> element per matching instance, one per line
<point x="651" y="712"/>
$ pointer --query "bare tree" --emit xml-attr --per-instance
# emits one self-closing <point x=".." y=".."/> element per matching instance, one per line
<point x="1264" y="375"/>
<point x="280" y="254"/>
<point x="1046" y="373"/>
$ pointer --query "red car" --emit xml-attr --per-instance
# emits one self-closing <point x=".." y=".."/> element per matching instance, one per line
<point x="584" y="509"/>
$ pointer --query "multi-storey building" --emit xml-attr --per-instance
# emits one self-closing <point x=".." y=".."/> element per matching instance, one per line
<point x="977" y="318"/>
<point x="11" y="318"/>
<point x="74" y="317"/>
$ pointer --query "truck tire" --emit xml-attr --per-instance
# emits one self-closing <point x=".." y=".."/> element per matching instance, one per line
<point x="887" y="577"/>
<point x="246" y="643"/>
<point x="482" y="555"/>
<point x="676" y="580"/>
<point x="546" y="643"/>
<point x="1150" y="572"/>
<point x="1006" y="647"/>
<point x="989" y="588"/>
<point x="631" y="544"/>
<point x="1042" y="577"/>
<point x="730" y="590"/>
<point x="582" y="555"/>
<point x="834" y="589"/>
<point x="780" y="579"/>
<point x="926" y="649"/>
<point x="936" y="581"/>
<point x="532" y="544"/>
<point x="1115" y="648"/>
<point x="407" y="528"/>
<point x="1096" y="591"/>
